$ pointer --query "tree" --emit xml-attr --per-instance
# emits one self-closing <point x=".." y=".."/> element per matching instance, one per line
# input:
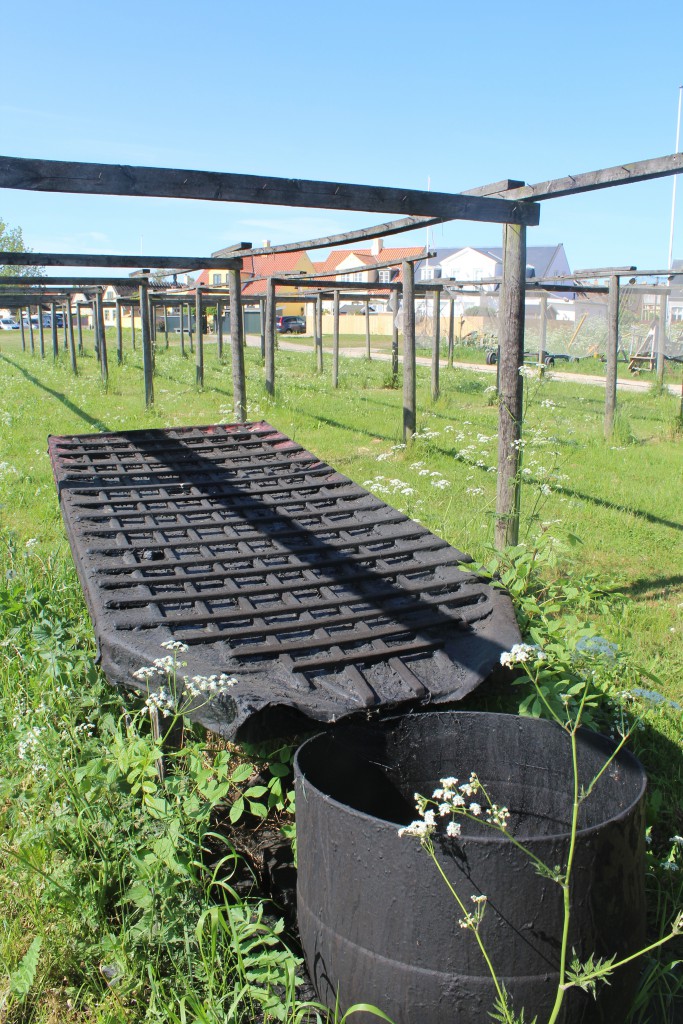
<point x="12" y="240"/>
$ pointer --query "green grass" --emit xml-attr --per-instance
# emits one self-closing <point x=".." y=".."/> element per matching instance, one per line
<point x="620" y="498"/>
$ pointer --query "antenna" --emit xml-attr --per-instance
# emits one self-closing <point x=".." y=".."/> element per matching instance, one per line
<point x="673" y="198"/>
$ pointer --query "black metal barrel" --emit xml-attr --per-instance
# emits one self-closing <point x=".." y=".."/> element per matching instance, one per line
<point x="376" y="920"/>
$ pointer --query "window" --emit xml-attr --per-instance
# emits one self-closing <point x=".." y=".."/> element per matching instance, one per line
<point x="427" y="274"/>
<point x="216" y="279"/>
<point x="677" y="314"/>
<point x="351" y="277"/>
<point x="384" y="276"/>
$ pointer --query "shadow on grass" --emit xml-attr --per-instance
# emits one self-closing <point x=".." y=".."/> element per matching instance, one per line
<point x="59" y="395"/>
<point x="643" y="586"/>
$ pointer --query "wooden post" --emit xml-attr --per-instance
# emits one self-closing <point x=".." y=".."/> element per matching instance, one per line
<point x="119" y="333"/>
<point x="511" y="337"/>
<point x="79" y="327"/>
<point x="132" y="325"/>
<point x="436" y="321"/>
<point x="53" y="324"/>
<point x="394" y="336"/>
<point x="611" y="354"/>
<point x="239" y="391"/>
<point x="199" y="357"/>
<point x="72" y="341"/>
<point x="64" y="327"/>
<point x="21" y="324"/>
<point x="30" y="333"/>
<point x="262" y="317"/>
<point x="451" y="331"/>
<point x="335" y="341"/>
<point x="318" y="314"/>
<point x="543" y="331"/>
<point x="409" y="393"/>
<point x="182" y="328"/>
<point x="368" y="353"/>
<point x="147" y="365"/>
<point x="165" y="308"/>
<point x="41" y="330"/>
<point x="189" y="326"/>
<point x="269" y="337"/>
<point x="661" y="338"/>
<point x="219" y="328"/>
<point x="152" y="320"/>
<point x="101" y="331"/>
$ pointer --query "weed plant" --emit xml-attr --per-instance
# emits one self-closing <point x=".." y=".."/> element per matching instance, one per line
<point x="122" y="899"/>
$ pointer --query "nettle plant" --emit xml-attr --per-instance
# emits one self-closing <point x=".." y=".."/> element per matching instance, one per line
<point x="564" y="698"/>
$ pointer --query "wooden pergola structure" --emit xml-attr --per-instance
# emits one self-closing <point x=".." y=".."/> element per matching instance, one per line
<point x="512" y="204"/>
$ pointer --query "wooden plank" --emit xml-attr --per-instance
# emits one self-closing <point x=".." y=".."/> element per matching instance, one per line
<point x="335" y="341"/>
<point x="79" y="328"/>
<point x="219" y="325"/>
<point x="119" y="333"/>
<point x="317" y="282"/>
<point x="218" y="186"/>
<point x="270" y="338"/>
<point x="611" y="355"/>
<point x="436" y="344"/>
<point x="393" y="227"/>
<point x="180" y="264"/>
<point x="75" y="283"/>
<point x="199" y="354"/>
<point x="53" y="328"/>
<point x="72" y="342"/>
<point x="409" y="389"/>
<point x="368" y="352"/>
<point x="239" y="387"/>
<point x="41" y="332"/>
<point x="384" y="265"/>
<point x="510" y="381"/>
<point x="101" y="331"/>
<point x="451" y="331"/>
<point x="318" y="314"/>
<point x="30" y="333"/>
<point x="622" y="174"/>
<point x="661" y="338"/>
<point x="21" y="325"/>
<point x="147" y="363"/>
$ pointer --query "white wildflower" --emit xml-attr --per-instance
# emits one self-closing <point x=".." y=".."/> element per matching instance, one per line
<point x="475" y="809"/>
<point x="174" y="645"/>
<point x="453" y="829"/>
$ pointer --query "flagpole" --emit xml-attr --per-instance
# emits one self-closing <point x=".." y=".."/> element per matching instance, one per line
<point x="673" y="199"/>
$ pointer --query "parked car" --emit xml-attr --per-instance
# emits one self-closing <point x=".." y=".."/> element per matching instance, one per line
<point x="47" y="320"/>
<point x="290" y="325"/>
<point x="8" y="323"/>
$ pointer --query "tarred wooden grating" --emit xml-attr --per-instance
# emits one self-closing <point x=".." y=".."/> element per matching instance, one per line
<point x="321" y="599"/>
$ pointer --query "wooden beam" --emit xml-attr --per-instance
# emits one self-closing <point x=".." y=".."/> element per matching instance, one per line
<point x="199" y="354"/>
<point x="75" y="283"/>
<point x="611" y="355"/>
<point x="239" y="387"/>
<point x="510" y="394"/>
<point x="180" y="264"/>
<point x="392" y="227"/>
<point x="409" y="390"/>
<point x="270" y="338"/>
<point x="147" y="363"/>
<point x="218" y="186"/>
<point x="622" y="174"/>
<point x="335" y="341"/>
<point x="436" y="343"/>
<point x="364" y="269"/>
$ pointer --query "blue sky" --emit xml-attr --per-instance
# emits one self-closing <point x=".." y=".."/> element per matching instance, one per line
<point x="390" y="94"/>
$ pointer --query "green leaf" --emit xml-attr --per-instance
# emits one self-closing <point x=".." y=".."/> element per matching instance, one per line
<point x="22" y="979"/>
<point x="237" y="810"/>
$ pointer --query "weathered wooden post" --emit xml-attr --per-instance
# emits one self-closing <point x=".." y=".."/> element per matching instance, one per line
<point x="53" y="324"/>
<point x="41" y="332"/>
<point x="199" y="356"/>
<point x="64" y="327"/>
<point x="318" y="315"/>
<point x="239" y="390"/>
<point x="661" y="337"/>
<point x="510" y="393"/>
<point x="393" y="308"/>
<point x="182" y="328"/>
<point x="269" y="337"/>
<point x="611" y="354"/>
<point x="165" y="309"/>
<point x="409" y="392"/>
<point x="147" y="364"/>
<point x="543" y="331"/>
<point x="451" y="331"/>
<point x="79" y="327"/>
<point x="368" y="353"/>
<point x="190" y="329"/>
<point x="72" y="340"/>
<point x="119" y="333"/>
<point x="335" y="339"/>
<point x="436" y="320"/>
<point x="219" y="328"/>
<point x="30" y="333"/>
<point x="262" y="319"/>
<point x="21" y="324"/>
<point x="101" y="331"/>
<point x="132" y="325"/>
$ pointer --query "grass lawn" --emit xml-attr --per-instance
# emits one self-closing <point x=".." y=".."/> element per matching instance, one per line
<point x="612" y="508"/>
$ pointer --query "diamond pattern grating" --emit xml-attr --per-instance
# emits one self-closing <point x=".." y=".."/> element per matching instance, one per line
<point x="321" y="599"/>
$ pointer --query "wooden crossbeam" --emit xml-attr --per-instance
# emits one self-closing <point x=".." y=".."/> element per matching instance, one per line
<point x="217" y="186"/>
<point x="623" y="174"/>
<point x="315" y="282"/>
<point x="74" y="282"/>
<point x="180" y="264"/>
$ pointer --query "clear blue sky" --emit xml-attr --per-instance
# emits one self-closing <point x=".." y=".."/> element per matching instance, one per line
<point x="389" y="94"/>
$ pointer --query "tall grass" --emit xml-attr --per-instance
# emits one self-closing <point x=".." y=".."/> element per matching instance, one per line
<point x="124" y="902"/>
